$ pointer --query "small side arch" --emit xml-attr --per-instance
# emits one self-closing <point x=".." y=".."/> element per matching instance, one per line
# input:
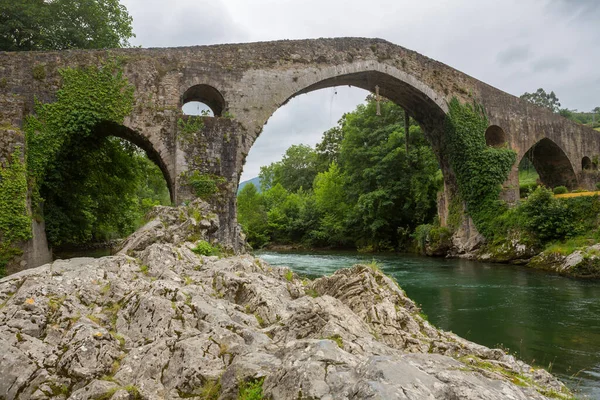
<point x="205" y="94"/>
<point x="586" y="164"/>
<point x="552" y="164"/>
<point x="495" y="136"/>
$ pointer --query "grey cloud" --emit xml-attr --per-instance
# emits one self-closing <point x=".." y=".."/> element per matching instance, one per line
<point x="184" y="23"/>
<point x="586" y="10"/>
<point x="514" y="54"/>
<point x="551" y="63"/>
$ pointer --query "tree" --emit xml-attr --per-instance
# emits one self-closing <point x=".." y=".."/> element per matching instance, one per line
<point x="328" y="149"/>
<point x="63" y="24"/>
<point x="388" y="188"/>
<point x="543" y="99"/>
<point x="252" y="215"/>
<point x="369" y="192"/>
<point x="20" y="24"/>
<point x="98" y="190"/>
<point x="296" y="170"/>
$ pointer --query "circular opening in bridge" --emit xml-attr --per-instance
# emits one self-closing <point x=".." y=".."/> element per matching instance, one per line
<point x="495" y="136"/>
<point x="586" y="164"/>
<point x="203" y="100"/>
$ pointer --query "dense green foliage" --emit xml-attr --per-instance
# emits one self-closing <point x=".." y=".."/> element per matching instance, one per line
<point x="99" y="190"/>
<point x="15" y="224"/>
<point x="206" y="249"/>
<point x="358" y="188"/>
<point x="95" y="187"/>
<point x="480" y="170"/>
<point x="546" y="217"/>
<point x="251" y="390"/>
<point x="560" y="190"/>
<point x="296" y="170"/>
<point x="204" y="186"/>
<point x="63" y="24"/>
<point x="88" y="96"/>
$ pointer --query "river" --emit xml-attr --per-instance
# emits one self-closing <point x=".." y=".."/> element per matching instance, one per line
<point x="543" y="319"/>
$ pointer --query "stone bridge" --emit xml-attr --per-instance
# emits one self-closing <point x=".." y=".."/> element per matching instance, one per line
<point x="244" y="84"/>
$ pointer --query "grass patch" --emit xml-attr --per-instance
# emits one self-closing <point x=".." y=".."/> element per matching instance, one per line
<point x="260" y="321"/>
<point x="374" y="266"/>
<point x="569" y="246"/>
<point x="338" y="340"/>
<point x="289" y="275"/>
<point x="528" y="177"/>
<point x="251" y="390"/>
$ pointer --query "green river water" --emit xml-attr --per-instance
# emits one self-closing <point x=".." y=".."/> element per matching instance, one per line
<point x="544" y="319"/>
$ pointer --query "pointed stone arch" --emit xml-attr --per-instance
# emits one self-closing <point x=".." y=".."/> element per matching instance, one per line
<point x="586" y="164"/>
<point x="552" y="164"/>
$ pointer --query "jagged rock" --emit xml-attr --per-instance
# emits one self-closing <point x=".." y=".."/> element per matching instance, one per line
<point x="176" y="225"/>
<point x="169" y="324"/>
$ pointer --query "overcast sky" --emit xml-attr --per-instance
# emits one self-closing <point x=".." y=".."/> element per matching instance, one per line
<point x="514" y="45"/>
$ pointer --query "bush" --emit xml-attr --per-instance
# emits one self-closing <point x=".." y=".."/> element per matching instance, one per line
<point x="206" y="249"/>
<point x="547" y="217"/>
<point x="526" y="188"/>
<point x="421" y="236"/>
<point x="598" y="185"/>
<point x="560" y="190"/>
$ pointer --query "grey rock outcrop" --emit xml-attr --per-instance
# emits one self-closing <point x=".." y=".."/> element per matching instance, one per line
<point x="176" y="225"/>
<point x="581" y="263"/>
<point x="161" y="322"/>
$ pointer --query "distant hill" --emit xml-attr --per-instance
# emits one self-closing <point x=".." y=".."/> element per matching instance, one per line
<point x="254" y="181"/>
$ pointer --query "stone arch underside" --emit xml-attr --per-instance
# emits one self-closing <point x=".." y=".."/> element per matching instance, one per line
<point x="420" y="101"/>
<point x="423" y="104"/>
<point x="552" y="164"/>
<point x="106" y="129"/>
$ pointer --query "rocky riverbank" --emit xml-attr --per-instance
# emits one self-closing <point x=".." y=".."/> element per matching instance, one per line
<point x="583" y="262"/>
<point x="159" y="321"/>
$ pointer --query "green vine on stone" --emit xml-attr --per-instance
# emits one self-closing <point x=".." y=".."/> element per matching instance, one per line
<point x="87" y="97"/>
<point x="480" y="170"/>
<point x="205" y="186"/>
<point x="187" y="128"/>
<point x="15" y="222"/>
